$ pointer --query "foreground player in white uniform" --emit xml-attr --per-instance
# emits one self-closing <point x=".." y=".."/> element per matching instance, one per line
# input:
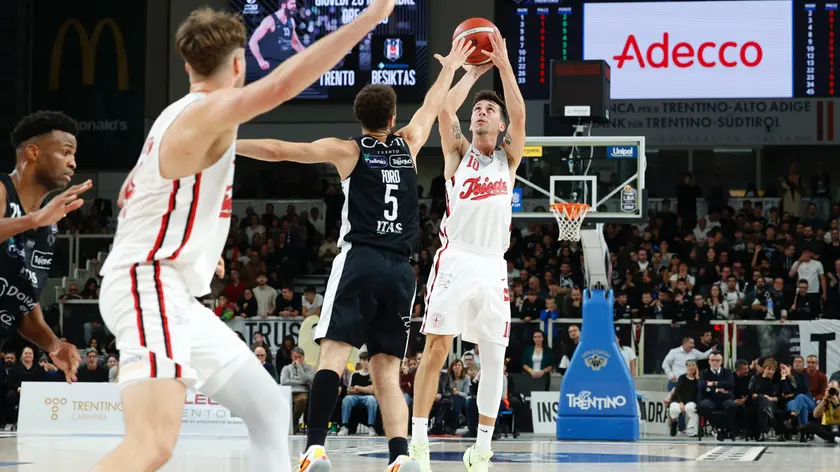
<point x="172" y="228"/>
<point x="467" y="288"/>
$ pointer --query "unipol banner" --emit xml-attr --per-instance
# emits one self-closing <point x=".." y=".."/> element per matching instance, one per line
<point x="706" y="123"/>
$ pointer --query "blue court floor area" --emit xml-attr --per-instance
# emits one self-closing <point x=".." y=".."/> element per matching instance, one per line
<point x="365" y="454"/>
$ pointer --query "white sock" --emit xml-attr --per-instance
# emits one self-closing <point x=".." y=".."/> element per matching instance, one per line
<point x="419" y="430"/>
<point x="485" y="435"/>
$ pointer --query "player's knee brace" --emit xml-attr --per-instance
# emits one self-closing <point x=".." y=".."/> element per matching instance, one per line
<point x="492" y="379"/>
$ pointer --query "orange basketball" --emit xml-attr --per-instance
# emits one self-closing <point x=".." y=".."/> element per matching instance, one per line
<point x="477" y="31"/>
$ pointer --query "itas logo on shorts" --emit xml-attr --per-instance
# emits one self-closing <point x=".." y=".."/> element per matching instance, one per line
<point x="622" y="152"/>
<point x="376" y="162"/>
<point x="41" y="260"/>
<point x="401" y="161"/>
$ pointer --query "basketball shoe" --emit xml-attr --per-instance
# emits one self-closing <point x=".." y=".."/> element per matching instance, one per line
<point x="403" y="464"/>
<point x="420" y="453"/>
<point x="477" y="461"/>
<point x="315" y="460"/>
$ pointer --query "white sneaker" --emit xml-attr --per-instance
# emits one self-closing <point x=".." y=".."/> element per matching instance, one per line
<point x="372" y="431"/>
<point x="315" y="460"/>
<point x="343" y="431"/>
<point x="420" y="453"/>
<point x="403" y="464"/>
<point x="477" y="461"/>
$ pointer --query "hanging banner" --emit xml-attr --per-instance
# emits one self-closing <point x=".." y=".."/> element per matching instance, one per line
<point x="708" y="123"/>
<point x="822" y="339"/>
<point x="273" y="329"/>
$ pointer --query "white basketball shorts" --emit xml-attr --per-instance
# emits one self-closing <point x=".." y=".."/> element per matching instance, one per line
<point x="165" y="333"/>
<point x="467" y="295"/>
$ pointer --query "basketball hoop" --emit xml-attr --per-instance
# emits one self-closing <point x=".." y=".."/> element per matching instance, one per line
<point x="569" y="219"/>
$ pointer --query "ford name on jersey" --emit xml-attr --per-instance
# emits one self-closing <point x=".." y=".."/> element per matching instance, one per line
<point x="390" y="227"/>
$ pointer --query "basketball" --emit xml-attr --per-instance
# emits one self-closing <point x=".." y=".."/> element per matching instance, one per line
<point x="477" y="31"/>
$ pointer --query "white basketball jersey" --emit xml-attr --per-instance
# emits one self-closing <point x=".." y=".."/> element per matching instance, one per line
<point x="478" y="199"/>
<point x="181" y="223"/>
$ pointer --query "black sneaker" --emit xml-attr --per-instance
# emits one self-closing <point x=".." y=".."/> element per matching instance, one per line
<point x="673" y="428"/>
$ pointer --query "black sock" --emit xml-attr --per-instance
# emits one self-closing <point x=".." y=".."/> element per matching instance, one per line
<point x="397" y="447"/>
<point x="323" y="395"/>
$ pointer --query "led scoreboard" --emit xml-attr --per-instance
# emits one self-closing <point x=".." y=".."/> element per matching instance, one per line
<point x="394" y="53"/>
<point x="678" y="49"/>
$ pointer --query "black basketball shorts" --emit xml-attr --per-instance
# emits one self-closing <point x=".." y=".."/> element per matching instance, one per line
<point x="369" y="300"/>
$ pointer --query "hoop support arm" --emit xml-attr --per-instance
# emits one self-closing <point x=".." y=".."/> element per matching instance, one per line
<point x="596" y="258"/>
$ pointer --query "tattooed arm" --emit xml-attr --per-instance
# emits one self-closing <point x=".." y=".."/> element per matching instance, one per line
<point x="451" y="138"/>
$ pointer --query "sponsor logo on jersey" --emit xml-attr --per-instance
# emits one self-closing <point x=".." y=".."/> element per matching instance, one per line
<point x="375" y="161"/>
<point x="28" y="274"/>
<point x="16" y="252"/>
<point x="479" y="190"/>
<point x="402" y="161"/>
<point x="10" y="291"/>
<point x="6" y="319"/>
<point x="41" y="260"/>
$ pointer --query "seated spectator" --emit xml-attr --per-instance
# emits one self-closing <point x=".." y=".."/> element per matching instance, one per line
<point x="461" y="391"/>
<point x="113" y="366"/>
<point x="765" y="397"/>
<point x="538" y="360"/>
<point x="288" y="303"/>
<point x="715" y="393"/>
<point x="804" y="307"/>
<point x="569" y="347"/>
<point x="225" y="310"/>
<point x="91" y="371"/>
<point x="26" y="371"/>
<point x="360" y="392"/>
<point x="828" y="411"/>
<point x="442" y="421"/>
<point x="675" y="362"/>
<point x="248" y="306"/>
<point x="311" y="303"/>
<point x="298" y="375"/>
<point x="266" y="296"/>
<point x="683" y="400"/>
<point x="629" y="355"/>
<point x="259" y="341"/>
<point x="799" y="401"/>
<point x="284" y="352"/>
<point x="262" y="355"/>
<point x="407" y="380"/>
<point x="817" y="381"/>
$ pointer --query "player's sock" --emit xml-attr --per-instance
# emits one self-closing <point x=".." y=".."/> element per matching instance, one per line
<point x="397" y="447"/>
<point x="419" y="429"/>
<point x="323" y="396"/>
<point x="484" y="437"/>
<point x="251" y="394"/>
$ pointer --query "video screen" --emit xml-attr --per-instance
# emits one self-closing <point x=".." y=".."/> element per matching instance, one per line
<point x="394" y="53"/>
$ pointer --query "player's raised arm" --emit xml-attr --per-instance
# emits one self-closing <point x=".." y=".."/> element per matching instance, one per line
<point x="341" y="153"/>
<point x="417" y="131"/>
<point x="230" y="107"/>
<point x="263" y="29"/>
<point x="514" y="141"/>
<point x="451" y="138"/>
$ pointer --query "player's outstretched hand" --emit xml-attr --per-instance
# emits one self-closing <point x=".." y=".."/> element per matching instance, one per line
<point x="459" y="53"/>
<point x="63" y="203"/>
<point x="382" y="8"/>
<point x="66" y="357"/>
<point x="499" y="55"/>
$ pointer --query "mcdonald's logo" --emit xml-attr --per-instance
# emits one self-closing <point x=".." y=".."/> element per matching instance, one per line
<point x="89" y="46"/>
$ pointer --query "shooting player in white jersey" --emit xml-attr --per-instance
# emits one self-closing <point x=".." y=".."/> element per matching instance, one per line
<point x="467" y="288"/>
<point x="171" y="232"/>
<point x="372" y="284"/>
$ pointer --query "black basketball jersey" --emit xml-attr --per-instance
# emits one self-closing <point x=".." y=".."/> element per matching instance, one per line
<point x="25" y="262"/>
<point x="277" y="45"/>
<point x="381" y="207"/>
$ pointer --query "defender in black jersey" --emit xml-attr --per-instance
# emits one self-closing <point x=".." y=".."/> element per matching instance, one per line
<point x="372" y="285"/>
<point x="45" y="147"/>
<point x="275" y="39"/>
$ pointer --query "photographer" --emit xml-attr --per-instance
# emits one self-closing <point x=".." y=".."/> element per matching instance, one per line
<point x="829" y="409"/>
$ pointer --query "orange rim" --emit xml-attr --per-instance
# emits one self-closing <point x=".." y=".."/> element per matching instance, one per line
<point x="570" y="210"/>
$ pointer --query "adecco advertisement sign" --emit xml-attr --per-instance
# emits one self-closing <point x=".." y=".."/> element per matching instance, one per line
<point x="693" y="49"/>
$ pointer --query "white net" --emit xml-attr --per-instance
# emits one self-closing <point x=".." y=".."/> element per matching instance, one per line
<point x="569" y="219"/>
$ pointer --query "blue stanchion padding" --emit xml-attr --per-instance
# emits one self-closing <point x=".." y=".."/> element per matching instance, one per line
<point x="598" y="396"/>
